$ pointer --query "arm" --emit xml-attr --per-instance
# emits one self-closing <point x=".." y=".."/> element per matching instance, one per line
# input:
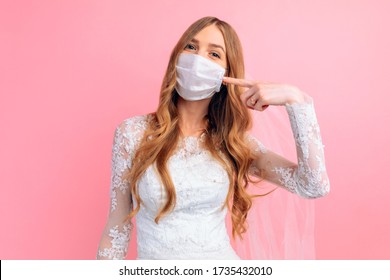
<point x="116" y="234"/>
<point x="308" y="178"/>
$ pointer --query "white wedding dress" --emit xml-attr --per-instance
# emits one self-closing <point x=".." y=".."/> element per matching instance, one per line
<point x="196" y="227"/>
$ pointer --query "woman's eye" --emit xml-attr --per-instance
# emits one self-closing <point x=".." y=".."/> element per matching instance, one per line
<point x="191" y="47"/>
<point x="215" y="55"/>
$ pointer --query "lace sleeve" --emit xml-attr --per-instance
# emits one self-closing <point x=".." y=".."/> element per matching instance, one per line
<point x="117" y="232"/>
<point x="308" y="178"/>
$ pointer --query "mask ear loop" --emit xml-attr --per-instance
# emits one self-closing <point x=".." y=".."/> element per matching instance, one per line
<point x="280" y="225"/>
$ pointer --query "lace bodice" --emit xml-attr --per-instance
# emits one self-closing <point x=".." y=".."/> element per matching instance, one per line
<point x="196" y="227"/>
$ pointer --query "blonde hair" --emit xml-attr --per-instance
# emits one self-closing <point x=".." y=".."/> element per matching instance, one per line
<point x="227" y="121"/>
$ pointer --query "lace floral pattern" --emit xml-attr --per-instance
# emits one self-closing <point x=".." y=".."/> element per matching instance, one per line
<point x="119" y="243"/>
<point x="195" y="229"/>
<point x="117" y="232"/>
<point x="308" y="178"/>
<point x="123" y="150"/>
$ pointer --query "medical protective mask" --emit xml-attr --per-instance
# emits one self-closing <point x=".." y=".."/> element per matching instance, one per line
<point x="197" y="77"/>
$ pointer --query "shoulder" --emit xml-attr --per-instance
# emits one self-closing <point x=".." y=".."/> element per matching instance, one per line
<point x="139" y="121"/>
<point x="135" y="126"/>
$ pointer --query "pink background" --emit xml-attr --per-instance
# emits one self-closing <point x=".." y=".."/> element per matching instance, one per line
<point x="70" y="71"/>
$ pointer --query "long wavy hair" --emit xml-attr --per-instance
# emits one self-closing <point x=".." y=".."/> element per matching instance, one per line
<point x="227" y="121"/>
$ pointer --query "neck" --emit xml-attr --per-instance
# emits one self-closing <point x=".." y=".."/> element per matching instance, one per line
<point x="192" y="116"/>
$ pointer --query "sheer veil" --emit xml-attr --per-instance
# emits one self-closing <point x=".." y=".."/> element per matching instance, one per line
<point x="280" y="224"/>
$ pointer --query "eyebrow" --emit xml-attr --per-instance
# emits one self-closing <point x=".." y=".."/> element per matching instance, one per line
<point x="211" y="44"/>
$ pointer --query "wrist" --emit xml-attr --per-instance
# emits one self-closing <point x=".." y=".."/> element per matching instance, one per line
<point x="296" y="96"/>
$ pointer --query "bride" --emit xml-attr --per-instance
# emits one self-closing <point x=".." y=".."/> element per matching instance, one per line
<point x="180" y="169"/>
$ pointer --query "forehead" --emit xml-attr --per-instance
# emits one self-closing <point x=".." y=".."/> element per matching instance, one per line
<point x="210" y="35"/>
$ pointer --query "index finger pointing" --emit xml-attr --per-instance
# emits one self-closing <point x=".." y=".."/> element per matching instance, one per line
<point x="238" y="82"/>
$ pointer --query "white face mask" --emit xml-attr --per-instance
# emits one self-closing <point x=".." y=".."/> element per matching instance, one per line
<point x="197" y="77"/>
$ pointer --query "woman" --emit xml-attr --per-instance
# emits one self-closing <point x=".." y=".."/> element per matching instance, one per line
<point x="177" y="169"/>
